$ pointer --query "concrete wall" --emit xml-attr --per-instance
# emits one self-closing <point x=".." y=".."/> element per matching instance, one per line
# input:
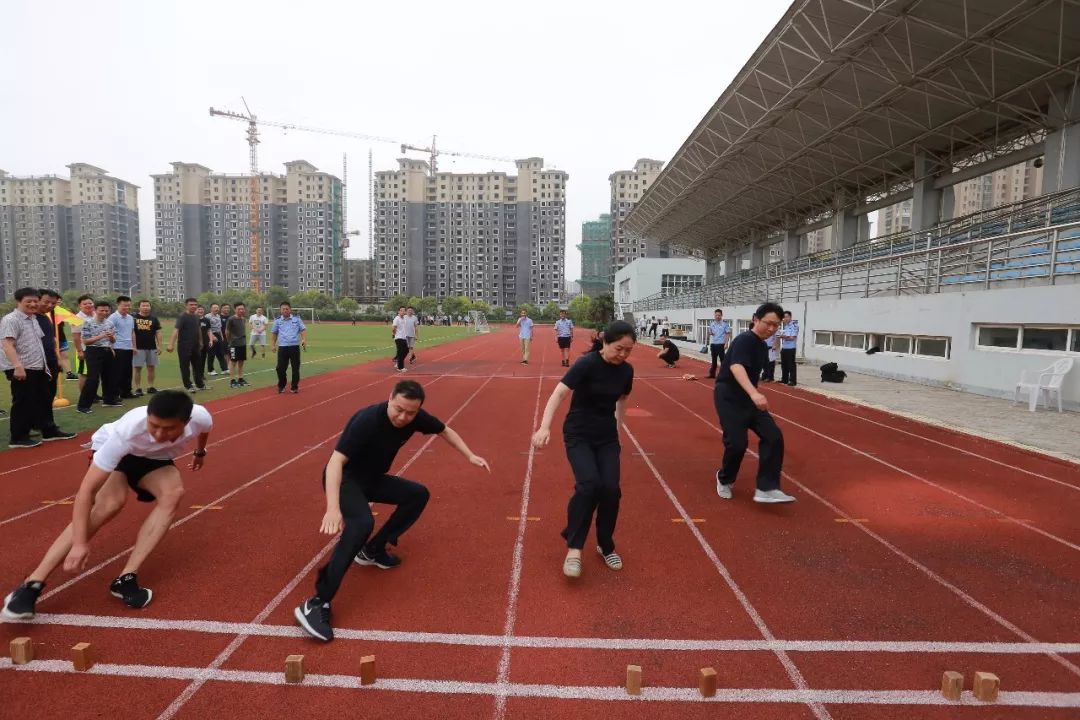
<point x="953" y="315"/>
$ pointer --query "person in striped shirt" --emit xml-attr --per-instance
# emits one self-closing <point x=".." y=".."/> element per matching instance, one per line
<point x="564" y="335"/>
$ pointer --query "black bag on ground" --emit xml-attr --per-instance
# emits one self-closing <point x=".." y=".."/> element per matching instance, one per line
<point x="831" y="372"/>
<point x="829" y="368"/>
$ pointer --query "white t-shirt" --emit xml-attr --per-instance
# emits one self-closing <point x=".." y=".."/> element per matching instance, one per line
<point x="410" y="325"/>
<point x="128" y="436"/>
<point x="258" y="324"/>
<point x="401" y="328"/>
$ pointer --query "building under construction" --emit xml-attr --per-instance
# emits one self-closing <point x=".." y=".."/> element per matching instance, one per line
<point x="203" y="230"/>
<point x="596" y="253"/>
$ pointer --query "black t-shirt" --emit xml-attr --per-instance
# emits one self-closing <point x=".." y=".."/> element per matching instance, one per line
<point x="748" y="350"/>
<point x="187" y="327"/>
<point x="204" y="330"/>
<point x="146" y="329"/>
<point x="236" y="331"/>
<point x="671" y="350"/>
<point x="597" y="386"/>
<point x="371" y="441"/>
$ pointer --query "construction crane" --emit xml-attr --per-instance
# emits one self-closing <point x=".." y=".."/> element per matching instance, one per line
<point x="434" y="153"/>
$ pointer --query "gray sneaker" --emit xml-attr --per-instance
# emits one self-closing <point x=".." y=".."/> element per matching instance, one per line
<point x="772" y="496"/>
<point x="724" y="491"/>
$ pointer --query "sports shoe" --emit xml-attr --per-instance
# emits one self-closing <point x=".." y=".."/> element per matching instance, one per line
<point x="314" y="617"/>
<point x="72" y="376"/>
<point x="19" y="604"/>
<point x="772" y="496"/>
<point x="139" y="393"/>
<point x="190" y="388"/>
<point x="281" y="391"/>
<point x="380" y="559"/>
<point x="670" y="365"/>
<point x="202" y="388"/>
<point x="612" y="559"/>
<point x="151" y="390"/>
<point x="242" y="382"/>
<point x="412" y="360"/>
<point x="57" y="434"/>
<point x="24" y="443"/>
<point x="212" y="372"/>
<point x="294" y="390"/>
<point x="112" y="403"/>
<point x="84" y="411"/>
<point x="723" y="490"/>
<point x="126" y="587"/>
<point x="233" y="385"/>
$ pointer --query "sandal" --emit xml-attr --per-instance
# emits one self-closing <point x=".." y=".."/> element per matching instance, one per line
<point x="612" y="560"/>
<point x="571" y="567"/>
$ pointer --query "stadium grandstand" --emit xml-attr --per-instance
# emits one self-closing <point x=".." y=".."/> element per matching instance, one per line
<point x="849" y="110"/>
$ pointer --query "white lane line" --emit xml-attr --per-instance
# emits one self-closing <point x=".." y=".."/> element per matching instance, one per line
<point x="215" y="665"/>
<point x="793" y="672"/>
<point x="939" y="579"/>
<point x="1006" y="698"/>
<point x="215" y="627"/>
<point x="514" y="590"/>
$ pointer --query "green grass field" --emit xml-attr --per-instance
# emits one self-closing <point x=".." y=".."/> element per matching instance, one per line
<point x="330" y="347"/>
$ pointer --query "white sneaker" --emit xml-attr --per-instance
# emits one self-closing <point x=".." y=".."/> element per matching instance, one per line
<point x="212" y="372"/>
<point x="722" y="490"/>
<point x="772" y="496"/>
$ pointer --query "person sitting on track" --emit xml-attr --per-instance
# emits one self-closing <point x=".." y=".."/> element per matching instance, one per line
<point x="137" y="452"/>
<point x="600" y="383"/>
<point x="669" y="353"/>
<point x="356" y="475"/>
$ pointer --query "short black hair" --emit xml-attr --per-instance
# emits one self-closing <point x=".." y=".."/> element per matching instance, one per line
<point x="787" y="312"/>
<point x="51" y="293"/>
<point x="171" y="405"/>
<point x="285" y="304"/>
<point x="240" y="304"/>
<point x="769" y="307"/>
<point x="410" y="307"/>
<point x="122" y="298"/>
<point x="83" y="297"/>
<point x="410" y="390"/>
<point x="718" y="310"/>
<point x="191" y="300"/>
<point x="144" y="300"/>
<point x="103" y="303"/>
<point x="26" y="292"/>
<point x="617" y="330"/>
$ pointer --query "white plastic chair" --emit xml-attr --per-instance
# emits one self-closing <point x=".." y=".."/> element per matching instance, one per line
<point x="1048" y="380"/>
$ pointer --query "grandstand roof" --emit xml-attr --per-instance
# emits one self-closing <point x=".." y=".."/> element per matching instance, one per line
<point x="840" y="98"/>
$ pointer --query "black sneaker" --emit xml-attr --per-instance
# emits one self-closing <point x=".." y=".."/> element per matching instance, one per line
<point x="24" y="443"/>
<point x="19" y="605"/>
<point x="380" y="559"/>
<point x="201" y="388"/>
<point x="281" y="391"/>
<point x="242" y="382"/>
<point x="57" y="434"/>
<point x="126" y="587"/>
<point x="412" y="360"/>
<point x="295" y="390"/>
<point x="84" y="411"/>
<point x="233" y="385"/>
<point x="139" y="393"/>
<point x="72" y="376"/>
<point x="151" y="390"/>
<point x="190" y="388"/>
<point x="112" y="403"/>
<point x="314" y="617"/>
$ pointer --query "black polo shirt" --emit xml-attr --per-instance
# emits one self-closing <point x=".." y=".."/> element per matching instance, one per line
<point x="371" y="441"/>
<point x="748" y="350"/>
<point x="597" y="386"/>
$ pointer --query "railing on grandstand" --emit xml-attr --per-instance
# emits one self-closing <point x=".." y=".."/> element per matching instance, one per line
<point x="1033" y="240"/>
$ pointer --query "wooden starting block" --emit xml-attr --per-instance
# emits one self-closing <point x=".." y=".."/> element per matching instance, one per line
<point x="82" y="656"/>
<point x="367" y="670"/>
<point x="952" y="685"/>
<point x="707" y="682"/>
<point x="985" y="686"/>
<point x="22" y="651"/>
<point x="294" y="669"/>
<point x="633" y="679"/>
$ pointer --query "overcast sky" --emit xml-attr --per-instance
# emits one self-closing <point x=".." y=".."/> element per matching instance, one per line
<point x="590" y="86"/>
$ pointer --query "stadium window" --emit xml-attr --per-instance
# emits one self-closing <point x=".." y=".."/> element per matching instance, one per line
<point x="1053" y="339"/>
<point x="1075" y="344"/>
<point x="854" y="341"/>
<point x="994" y="336"/>
<point x="932" y="347"/>
<point x="898" y="344"/>
<point x="822" y="337"/>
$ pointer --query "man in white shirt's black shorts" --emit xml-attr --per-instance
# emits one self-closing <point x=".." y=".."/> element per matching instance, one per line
<point x="137" y="452"/>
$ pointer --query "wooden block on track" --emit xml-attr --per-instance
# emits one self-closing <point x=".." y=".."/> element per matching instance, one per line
<point x="633" y="679"/>
<point x="952" y="685"/>
<point x="82" y="656"/>
<point x="294" y="669"/>
<point x="22" y="650"/>
<point x="367" y="670"/>
<point x="985" y="686"/>
<point x="707" y="682"/>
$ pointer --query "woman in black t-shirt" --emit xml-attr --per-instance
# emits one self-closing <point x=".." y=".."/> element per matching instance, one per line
<point x="669" y="353"/>
<point x="599" y="384"/>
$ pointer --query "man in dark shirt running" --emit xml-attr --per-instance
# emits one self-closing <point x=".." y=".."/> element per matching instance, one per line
<point x="741" y="408"/>
<point x="356" y="475"/>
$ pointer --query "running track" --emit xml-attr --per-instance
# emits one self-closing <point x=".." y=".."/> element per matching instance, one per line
<point x="910" y="551"/>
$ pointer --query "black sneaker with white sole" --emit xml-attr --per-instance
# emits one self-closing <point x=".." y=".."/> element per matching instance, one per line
<point x="380" y="559"/>
<point x="126" y="587"/>
<point x="314" y="617"/>
<point x="19" y="604"/>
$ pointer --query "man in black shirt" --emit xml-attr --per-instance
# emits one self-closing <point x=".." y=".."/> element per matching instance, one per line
<point x="147" y="345"/>
<point x="741" y="408"/>
<point x="358" y="474"/>
<point x="188" y="341"/>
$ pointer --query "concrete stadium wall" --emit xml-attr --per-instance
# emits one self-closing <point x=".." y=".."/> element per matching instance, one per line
<point x="953" y="315"/>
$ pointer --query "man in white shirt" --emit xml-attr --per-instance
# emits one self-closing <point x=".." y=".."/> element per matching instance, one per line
<point x="258" y="331"/>
<point x="136" y="451"/>
<point x="401" y="340"/>
<point x="411" y="335"/>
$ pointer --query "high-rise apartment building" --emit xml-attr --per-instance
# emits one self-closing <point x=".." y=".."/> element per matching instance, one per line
<point x="627" y="188"/>
<point x="77" y="233"/>
<point x="359" y="280"/>
<point x="490" y="236"/>
<point x="203" y="230"/>
<point x="595" y="251"/>
<point x="1001" y="187"/>
<point x="148" y="280"/>
<point x="894" y="218"/>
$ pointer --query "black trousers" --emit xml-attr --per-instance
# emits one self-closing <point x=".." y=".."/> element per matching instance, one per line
<point x="31" y="404"/>
<point x="769" y="372"/>
<point x="787" y="366"/>
<point x="191" y="362"/>
<point x="216" y="352"/>
<point x="402" y="351"/>
<point x="99" y="369"/>
<point x="48" y="423"/>
<point x="738" y="416"/>
<point x="596" y="489"/>
<point x="286" y="356"/>
<point x="410" y="499"/>
<point x="122" y="369"/>
<point x="717" y="352"/>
